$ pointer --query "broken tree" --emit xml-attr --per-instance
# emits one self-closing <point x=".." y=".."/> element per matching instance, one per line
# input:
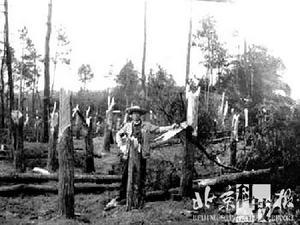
<point x="189" y="148"/>
<point x="18" y="145"/>
<point x="52" y="163"/>
<point x="8" y="61"/>
<point x="65" y="158"/>
<point x="47" y="76"/>
<point x="89" y="146"/>
<point x="84" y="127"/>
<point x="108" y="139"/>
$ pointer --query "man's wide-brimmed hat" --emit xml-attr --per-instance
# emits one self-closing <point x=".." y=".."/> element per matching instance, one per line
<point x="137" y="109"/>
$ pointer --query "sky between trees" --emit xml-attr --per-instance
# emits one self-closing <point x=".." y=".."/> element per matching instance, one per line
<point x="105" y="33"/>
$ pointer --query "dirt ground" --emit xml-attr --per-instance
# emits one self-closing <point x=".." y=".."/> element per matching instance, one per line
<point x="89" y="208"/>
<point x="162" y="174"/>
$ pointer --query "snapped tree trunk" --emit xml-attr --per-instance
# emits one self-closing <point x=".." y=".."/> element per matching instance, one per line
<point x="18" y="144"/>
<point x="89" y="148"/>
<point x="186" y="137"/>
<point x="108" y="137"/>
<point x="256" y="176"/>
<point x="47" y="76"/>
<point x="65" y="158"/>
<point x="52" y="163"/>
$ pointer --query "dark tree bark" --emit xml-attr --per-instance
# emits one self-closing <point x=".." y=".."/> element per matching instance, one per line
<point x="89" y="147"/>
<point x="2" y="121"/>
<point x="33" y="90"/>
<point x="47" y="77"/>
<point x="186" y="182"/>
<point x="9" y="68"/>
<point x="108" y="138"/>
<point x="233" y="150"/>
<point x="65" y="158"/>
<point x="52" y="161"/>
<point x="188" y="55"/>
<point x="66" y="175"/>
<point x="144" y="53"/>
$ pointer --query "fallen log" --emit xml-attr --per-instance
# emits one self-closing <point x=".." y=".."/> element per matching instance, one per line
<point x="39" y="178"/>
<point x="43" y="155"/>
<point x="263" y="175"/>
<point x="169" y="142"/>
<point x="33" y="189"/>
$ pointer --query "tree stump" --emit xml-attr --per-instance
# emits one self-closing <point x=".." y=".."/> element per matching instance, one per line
<point x="108" y="137"/>
<point x="66" y="158"/>
<point x="89" y="147"/>
<point x="134" y="196"/>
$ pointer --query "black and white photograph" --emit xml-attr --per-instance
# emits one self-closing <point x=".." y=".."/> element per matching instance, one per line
<point x="149" y="112"/>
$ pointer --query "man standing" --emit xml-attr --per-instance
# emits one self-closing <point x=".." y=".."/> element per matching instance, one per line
<point x="135" y="129"/>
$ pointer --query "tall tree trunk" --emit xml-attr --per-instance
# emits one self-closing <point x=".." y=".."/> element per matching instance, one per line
<point x="144" y="50"/>
<point x="65" y="158"/>
<point x="2" y="121"/>
<point x="10" y="98"/>
<point x="20" y="103"/>
<point x="33" y="90"/>
<point x="8" y="62"/>
<point x="188" y="55"/>
<point x="188" y="152"/>
<point x="53" y="81"/>
<point x="47" y="76"/>
<point x="33" y="100"/>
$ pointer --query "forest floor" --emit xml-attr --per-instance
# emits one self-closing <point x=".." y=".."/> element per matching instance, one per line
<point x="89" y="208"/>
<point x="162" y="174"/>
